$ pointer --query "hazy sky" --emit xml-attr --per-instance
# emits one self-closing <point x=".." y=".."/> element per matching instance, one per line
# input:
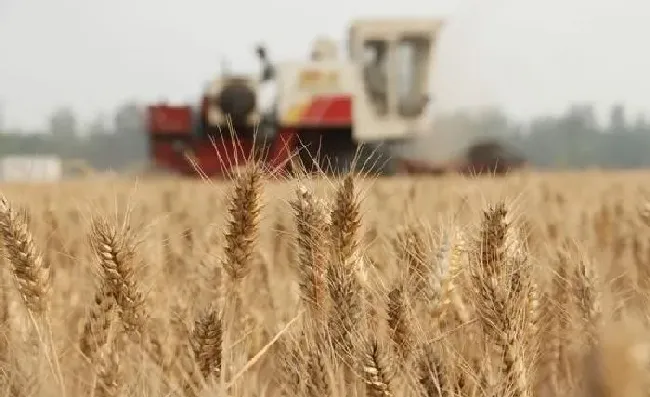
<point x="528" y="56"/>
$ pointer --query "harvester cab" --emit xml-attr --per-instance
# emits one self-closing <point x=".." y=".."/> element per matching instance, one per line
<point x="395" y="58"/>
<point x="376" y="96"/>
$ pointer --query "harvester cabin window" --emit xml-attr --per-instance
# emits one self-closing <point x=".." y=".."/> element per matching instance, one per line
<point x="375" y="58"/>
<point x="412" y="63"/>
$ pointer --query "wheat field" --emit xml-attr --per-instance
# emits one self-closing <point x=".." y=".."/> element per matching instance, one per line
<point x="529" y="285"/>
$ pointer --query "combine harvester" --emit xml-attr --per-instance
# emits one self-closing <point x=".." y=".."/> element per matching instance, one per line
<point x="329" y="114"/>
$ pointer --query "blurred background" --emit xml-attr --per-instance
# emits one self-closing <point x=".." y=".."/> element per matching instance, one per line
<point x="564" y="81"/>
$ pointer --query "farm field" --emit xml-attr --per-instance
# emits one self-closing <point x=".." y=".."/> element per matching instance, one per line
<point x="535" y="284"/>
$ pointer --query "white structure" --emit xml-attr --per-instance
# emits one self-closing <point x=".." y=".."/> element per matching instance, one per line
<point x="36" y="168"/>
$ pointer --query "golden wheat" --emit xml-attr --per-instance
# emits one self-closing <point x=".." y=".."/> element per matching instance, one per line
<point x="453" y="286"/>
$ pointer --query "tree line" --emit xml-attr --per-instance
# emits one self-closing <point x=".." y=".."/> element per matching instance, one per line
<point x="573" y="139"/>
<point x="117" y="143"/>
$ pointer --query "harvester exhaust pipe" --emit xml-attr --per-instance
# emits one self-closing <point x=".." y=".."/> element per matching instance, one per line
<point x="267" y="94"/>
<point x="268" y="71"/>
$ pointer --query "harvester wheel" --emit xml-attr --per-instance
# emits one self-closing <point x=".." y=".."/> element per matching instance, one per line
<point x="491" y="156"/>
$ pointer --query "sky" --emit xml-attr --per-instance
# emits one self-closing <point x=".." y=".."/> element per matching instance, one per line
<point x="528" y="57"/>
